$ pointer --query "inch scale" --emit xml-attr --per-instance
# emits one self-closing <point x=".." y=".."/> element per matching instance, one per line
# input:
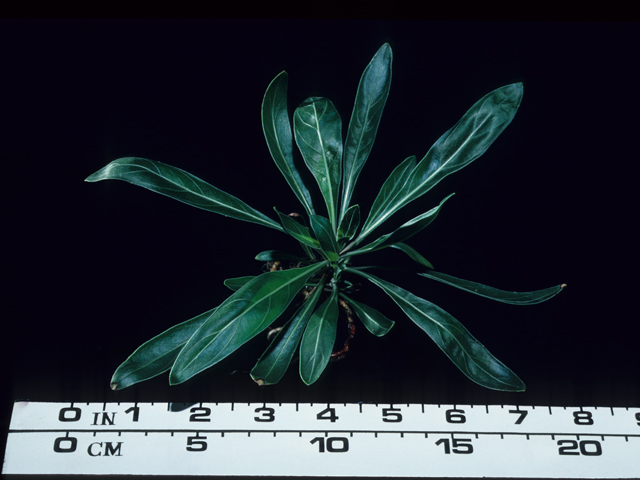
<point x="319" y="439"/>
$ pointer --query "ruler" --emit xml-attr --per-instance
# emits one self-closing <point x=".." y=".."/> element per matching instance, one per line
<point x="319" y="439"/>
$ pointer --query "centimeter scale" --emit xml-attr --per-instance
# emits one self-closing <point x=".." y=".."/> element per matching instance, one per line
<point x="371" y="440"/>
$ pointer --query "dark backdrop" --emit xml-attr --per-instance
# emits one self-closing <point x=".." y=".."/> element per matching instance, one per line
<point x="94" y="270"/>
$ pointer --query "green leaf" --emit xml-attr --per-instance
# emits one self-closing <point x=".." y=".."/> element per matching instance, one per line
<point x="407" y="230"/>
<point x="238" y="282"/>
<point x="413" y="254"/>
<point x="239" y="318"/>
<point x="323" y="232"/>
<point x="273" y="255"/>
<point x="469" y="355"/>
<point x="318" y="339"/>
<point x="350" y="223"/>
<point x="297" y="230"/>
<point x="514" y="298"/>
<point x="372" y="319"/>
<point x="180" y="185"/>
<point x="277" y="131"/>
<point x="458" y="147"/>
<point x="371" y="97"/>
<point x="394" y="184"/>
<point x="276" y="359"/>
<point x="318" y="131"/>
<point x="158" y="354"/>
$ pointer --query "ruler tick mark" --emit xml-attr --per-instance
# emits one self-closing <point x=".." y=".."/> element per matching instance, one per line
<point x="49" y="423"/>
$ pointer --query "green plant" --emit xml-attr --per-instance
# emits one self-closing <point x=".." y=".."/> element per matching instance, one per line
<point x="308" y="297"/>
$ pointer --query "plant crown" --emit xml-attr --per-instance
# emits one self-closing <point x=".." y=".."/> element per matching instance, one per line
<point x="305" y="294"/>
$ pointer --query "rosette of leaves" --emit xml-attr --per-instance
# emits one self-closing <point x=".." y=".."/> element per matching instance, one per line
<point x="305" y="300"/>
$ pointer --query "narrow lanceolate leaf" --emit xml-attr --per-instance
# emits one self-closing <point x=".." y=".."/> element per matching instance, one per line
<point x="239" y="318"/>
<point x="458" y="147"/>
<point x="318" y="131"/>
<point x="350" y="223"/>
<point x="469" y="355"/>
<point x="318" y="339"/>
<point x="413" y="254"/>
<point x="371" y="318"/>
<point x="394" y="184"/>
<point x="277" y="131"/>
<point x="238" y="282"/>
<point x="514" y="298"/>
<point x="158" y="354"/>
<point x="371" y="97"/>
<point x="404" y="232"/>
<point x="180" y="185"/>
<point x="297" y="230"/>
<point x="324" y="233"/>
<point x="276" y="359"/>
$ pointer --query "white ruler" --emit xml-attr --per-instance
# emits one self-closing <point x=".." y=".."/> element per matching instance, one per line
<point x="347" y="440"/>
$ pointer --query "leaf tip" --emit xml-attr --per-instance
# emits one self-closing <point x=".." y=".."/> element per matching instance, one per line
<point x="517" y="388"/>
<point x="260" y="382"/>
<point x="174" y="378"/>
<point x="520" y="387"/>
<point x="563" y="286"/>
<point x="520" y="87"/>
<point x="114" y="386"/>
<point x="514" y="90"/>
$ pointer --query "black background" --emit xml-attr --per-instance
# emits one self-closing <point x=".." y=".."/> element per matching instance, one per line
<point x="94" y="270"/>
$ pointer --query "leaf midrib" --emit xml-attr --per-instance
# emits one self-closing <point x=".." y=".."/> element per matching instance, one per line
<point x="287" y="163"/>
<point x="201" y="195"/>
<point x="394" y="295"/>
<point x="327" y="171"/>
<point x="468" y="357"/>
<point x="235" y="321"/>
<point x="350" y="183"/>
<point x="408" y="197"/>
